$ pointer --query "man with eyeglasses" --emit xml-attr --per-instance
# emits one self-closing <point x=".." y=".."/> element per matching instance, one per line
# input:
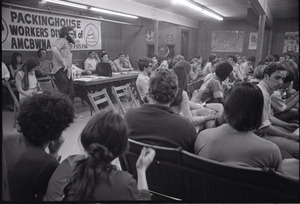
<point x="62" y="61"/>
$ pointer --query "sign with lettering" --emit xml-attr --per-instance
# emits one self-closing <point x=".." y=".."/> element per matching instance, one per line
<point x="24" y="30"/>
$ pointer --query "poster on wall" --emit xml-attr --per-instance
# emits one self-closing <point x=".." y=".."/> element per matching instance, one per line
<point x="253" y="40"/>
<point x="227" y="41"/>
<point x="150" y="36"/>
<point x="24" y="30"/>
<point x="291" y="42"/>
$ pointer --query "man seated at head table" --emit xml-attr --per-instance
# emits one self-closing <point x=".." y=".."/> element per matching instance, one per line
<point x="91" y="62"/>
<point x="155" y="123"/>
<point x="45" y="67"/>
<point x="105" y="59"/>
<point x="120" y="63"/>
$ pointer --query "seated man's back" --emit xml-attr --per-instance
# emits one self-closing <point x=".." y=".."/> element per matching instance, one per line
<point x="158" y="125"/>
<point x="155" y="123"/>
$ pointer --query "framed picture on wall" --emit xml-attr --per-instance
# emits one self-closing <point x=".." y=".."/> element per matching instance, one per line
<point x="252" y="40"/>
<point x="291" y="42"/>
<point x="227" y="41"/>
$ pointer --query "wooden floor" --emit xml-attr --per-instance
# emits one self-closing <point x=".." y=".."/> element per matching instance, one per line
<point x="71" y="134"/>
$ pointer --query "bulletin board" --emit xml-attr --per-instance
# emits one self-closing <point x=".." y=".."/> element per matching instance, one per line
<point x="227" y="41"/>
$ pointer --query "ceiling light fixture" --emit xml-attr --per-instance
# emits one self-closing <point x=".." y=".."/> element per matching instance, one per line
<point x="112" y="12"/>
<point x="67" y="4"/>
<point x="198" y="8"/>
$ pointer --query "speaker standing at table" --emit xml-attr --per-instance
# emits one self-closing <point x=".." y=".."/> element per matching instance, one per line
<point x="62" y="61"/>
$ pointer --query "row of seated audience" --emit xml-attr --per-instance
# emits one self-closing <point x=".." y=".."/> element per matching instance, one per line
<point x="232" y="130"/>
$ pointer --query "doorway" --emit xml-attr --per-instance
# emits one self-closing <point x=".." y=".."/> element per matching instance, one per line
<point x="185" y="43"/>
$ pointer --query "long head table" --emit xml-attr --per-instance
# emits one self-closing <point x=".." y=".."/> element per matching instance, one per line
<point x="90" y="80"/>
<point x="91" y="83"/>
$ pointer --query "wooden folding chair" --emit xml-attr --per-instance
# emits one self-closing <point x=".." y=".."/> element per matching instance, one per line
<point x="122" y="91"/>
<point x="99" y="97"/>
<point x="47" y="84"/>
<point x="16" y="101"/>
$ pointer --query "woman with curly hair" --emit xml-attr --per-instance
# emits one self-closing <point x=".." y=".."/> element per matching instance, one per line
<point x="25" y="79"/>
<point x="92" y="177"/>
<point x="42" y="119"/>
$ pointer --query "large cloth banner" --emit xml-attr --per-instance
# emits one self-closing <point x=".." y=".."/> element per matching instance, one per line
<point x="24" y="30"/>
<point x="227" y="41"/>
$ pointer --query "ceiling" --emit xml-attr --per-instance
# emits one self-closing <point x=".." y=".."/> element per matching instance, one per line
<point x="230" y="9"/>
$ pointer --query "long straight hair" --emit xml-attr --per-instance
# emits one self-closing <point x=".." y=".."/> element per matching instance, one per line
<point x="182" y="76"/>
<point x="104" y="138"/>
<point x="26" y="68"/>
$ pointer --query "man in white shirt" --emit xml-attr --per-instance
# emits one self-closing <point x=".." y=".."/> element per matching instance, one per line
<point x="91" y="62"/>
<point x="142" y="82"/>
<point x="120" y="63"/>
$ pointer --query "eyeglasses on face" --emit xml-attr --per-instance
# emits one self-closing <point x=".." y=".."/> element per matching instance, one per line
<point x="71" y="34"/>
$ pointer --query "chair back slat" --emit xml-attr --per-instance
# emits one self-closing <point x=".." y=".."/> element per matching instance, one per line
<point x="121" y="91"/>
<point x="98" y="98"/>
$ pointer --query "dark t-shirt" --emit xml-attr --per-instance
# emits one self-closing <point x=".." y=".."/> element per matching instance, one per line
<point x="158" y="125"/>
<point x="29" y="168"/>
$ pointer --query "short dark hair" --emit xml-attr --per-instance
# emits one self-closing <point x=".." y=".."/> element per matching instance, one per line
<point x="251" y="59"/>
<point x="223" y="69"/>
<point x="43" y="117"/>
<point x="211" y="58"/>
<point x="103" y="54"/>
<point x="144" y="62"/>
<point x="233" y="58"/>
<point x="290" y="75"/>
<point x="39" y="52"/>
<point x="163" y="85"/>
<point x="243" y="107"/>
<point x="154" y="55"/>
<point x="273" y="67"/>
<point x="64" y="31"/>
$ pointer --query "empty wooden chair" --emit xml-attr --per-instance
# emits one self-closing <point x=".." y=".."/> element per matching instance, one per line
<point x="122" y="91"/>
<point x="16" y="101"/>
<point x="99" y="97"/>
<point x="47" y="83"/>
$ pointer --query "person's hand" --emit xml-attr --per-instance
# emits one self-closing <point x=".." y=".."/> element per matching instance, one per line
<point x="131" y="69"/>
<point x="145" y="159"/>
<point x="291" y="126"/>
<point x="55" y="145"/>
<point x="65" y="65"/>
<point x="294" y="137"/>
<point x="211" y="115"/>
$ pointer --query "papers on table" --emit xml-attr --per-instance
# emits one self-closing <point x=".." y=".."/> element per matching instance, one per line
<point x="90" y="78"/>
<point x="130" y="72"/>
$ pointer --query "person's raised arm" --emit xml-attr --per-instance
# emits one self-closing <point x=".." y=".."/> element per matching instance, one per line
<point x="143" y="162"/>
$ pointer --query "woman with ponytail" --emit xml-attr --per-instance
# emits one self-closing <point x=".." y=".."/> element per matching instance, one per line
<point x="25" y="79"/>
<point x="92" y="177"/>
